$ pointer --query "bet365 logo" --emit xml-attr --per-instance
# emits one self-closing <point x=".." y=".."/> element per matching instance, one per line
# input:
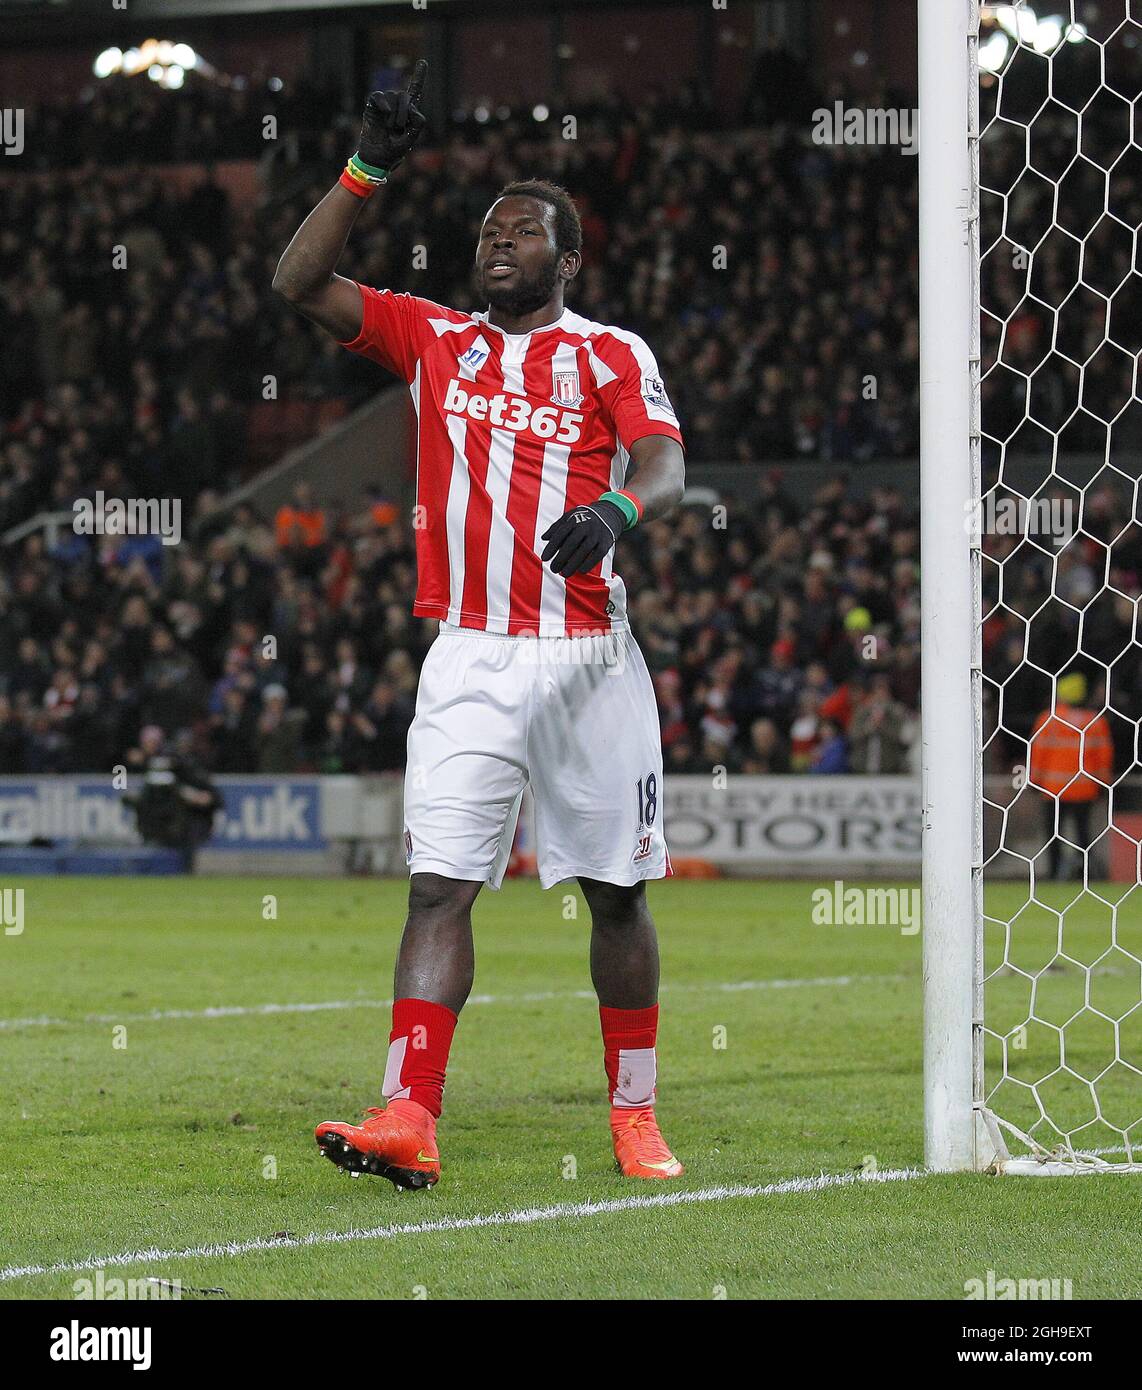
<point x="514" y="413"/>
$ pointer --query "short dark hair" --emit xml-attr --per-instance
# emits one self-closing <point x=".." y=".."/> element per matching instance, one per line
<point x="568" y="228"/>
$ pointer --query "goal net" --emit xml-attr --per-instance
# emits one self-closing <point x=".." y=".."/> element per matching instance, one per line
<point x="1038" y="955"/>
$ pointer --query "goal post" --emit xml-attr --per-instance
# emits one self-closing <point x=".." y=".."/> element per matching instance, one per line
<point x="949" y="794"/>
<point x="1030" y="200"/>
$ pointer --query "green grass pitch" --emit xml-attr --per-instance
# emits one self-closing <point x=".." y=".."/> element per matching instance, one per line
<point x="198" y="1132"/>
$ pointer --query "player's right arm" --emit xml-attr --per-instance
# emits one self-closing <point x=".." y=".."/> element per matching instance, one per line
<point x="306" y="276"/>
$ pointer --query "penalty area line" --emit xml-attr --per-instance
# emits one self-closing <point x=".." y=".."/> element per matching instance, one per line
<point x="526" y="1216"/>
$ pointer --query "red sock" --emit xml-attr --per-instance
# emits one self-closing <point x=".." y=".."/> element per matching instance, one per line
<point x="628" y="1051"/>
<point x="418" y="1053"/>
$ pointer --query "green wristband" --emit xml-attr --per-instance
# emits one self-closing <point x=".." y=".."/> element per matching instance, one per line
<point x="373" y="173"/>
<point x="625" y="505"/>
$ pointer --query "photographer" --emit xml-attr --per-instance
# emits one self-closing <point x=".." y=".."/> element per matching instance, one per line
<point x="176" y="804"/>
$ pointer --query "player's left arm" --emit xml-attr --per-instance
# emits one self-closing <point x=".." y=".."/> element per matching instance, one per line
<point x="647" y="426"/>
<point x="655" y="479"/>
<point x="656" y="474"/>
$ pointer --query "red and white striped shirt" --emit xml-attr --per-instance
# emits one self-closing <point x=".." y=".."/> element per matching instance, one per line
<point x="513" y="430"/>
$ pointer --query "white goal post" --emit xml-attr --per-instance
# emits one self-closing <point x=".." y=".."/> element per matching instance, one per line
<point x="1028" y="381"/>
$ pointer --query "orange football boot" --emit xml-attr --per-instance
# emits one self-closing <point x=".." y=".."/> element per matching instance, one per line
<point x="398" y="1143"/>
<point x="639" y="1147"/>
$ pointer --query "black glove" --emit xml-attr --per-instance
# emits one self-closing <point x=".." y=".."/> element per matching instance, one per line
<point x="392" y="123"/>
<point x="580" y="538"/>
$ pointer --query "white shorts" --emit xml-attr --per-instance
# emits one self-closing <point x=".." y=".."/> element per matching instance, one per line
<point x="576" y="718"/>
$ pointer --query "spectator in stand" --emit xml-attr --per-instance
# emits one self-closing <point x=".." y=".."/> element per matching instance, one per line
<point x="382" y="727"/>
<point x="837" y="706"/>
<point x="350" y="680"/>
<point x="12" y="738"/>
<point x="171" y="685"/>
<point x="233" y="733"/>
<point x="300" y="525"/>
<point x="805" y="731"/>
<point x="278" y="732"/>
<point x="313" y="694"/>
<point x="831" y="754"/>
<point x="779" y="683"/>
<point x="382" y="512"/>
<point x="767" y="754"/>
<point x="880" y="733"/>
<point x="338" y="752"/>
<point x="30" y="674"/>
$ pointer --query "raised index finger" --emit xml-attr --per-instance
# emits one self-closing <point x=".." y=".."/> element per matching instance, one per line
<point x="416" y="81"/>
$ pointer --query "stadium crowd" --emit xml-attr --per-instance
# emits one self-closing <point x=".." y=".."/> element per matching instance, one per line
<point x="137" y="380"/>
<point x="782" y="633"/>
<point x="781" y="637"/>
<point x="118" y="120"/>
<point x="775" y="278"/>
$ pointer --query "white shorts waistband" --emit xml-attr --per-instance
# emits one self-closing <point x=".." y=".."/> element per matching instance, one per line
<point x="448" y="629"/>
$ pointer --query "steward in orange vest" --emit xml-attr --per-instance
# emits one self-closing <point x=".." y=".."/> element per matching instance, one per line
<point x="1072" y="761"/>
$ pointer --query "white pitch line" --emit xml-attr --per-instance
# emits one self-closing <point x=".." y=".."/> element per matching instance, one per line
<point x="542" y="997"/>
<point x="526" y="1216"/>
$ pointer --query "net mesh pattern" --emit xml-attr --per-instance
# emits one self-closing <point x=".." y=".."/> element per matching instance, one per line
<point x="1059" y="559"/>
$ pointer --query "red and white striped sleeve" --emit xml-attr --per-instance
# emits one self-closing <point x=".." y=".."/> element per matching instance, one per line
<point x="636" y="397"/>
<point x="394" y="329"/>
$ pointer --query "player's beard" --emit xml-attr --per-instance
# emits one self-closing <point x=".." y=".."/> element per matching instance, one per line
<point x="525" y="296"/>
